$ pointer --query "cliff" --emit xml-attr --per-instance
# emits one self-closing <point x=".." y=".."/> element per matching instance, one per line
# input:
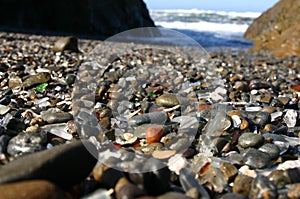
<point x="77" y="17"/>
<point x="277" y="29"/>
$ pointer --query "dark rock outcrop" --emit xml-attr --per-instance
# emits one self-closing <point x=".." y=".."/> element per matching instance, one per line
<point x="77" y="17"/>
<point x="277" y="29"/>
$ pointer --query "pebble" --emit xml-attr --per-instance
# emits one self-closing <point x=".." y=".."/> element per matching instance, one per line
<point x="25" y="143"/>
<point x="294" y="191"/>
<point x="291" y="118"/>
<point x="242" y="185"/>
<point x="263" y="188"/>
<point x="57" y="165"/>
<point x="247" y="140"/>
<point x="163" y="154"/>
<point x="32" y="189"/>
<point x="256" y="159"/>
<point x="229" y="171"/>
<point x="167" y="100"/>
<point x="154" y="134"/>
<point x="66" y="43"/>
<point x="52" y="116"/>
<point x="153" y="118"/>
<point x="34" y="80"/>
<point x="3" y="109"/>
<point x="270" y="149"/>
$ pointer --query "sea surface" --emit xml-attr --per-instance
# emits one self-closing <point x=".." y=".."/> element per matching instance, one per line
<point x="211" y="29"/>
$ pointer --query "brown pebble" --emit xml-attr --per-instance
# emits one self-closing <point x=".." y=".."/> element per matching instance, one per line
<point x="244" y="124"/>
<point x="32" y="190"/>
<point x="242" y="185"/>
<point x="154" y="134"/>
<point x="163" y="154"/>
<point x="294" y="191"/>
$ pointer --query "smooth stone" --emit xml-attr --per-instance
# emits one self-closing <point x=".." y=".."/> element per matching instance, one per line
<point x="154" y="134"/>
<point x="3" y="109"/>
<point x="4" y="139"/>
<point x="260" y="118"/>
<point x="59" y="165"/>
<point x="263" y="188"/>
<point x="294" y="191"/>
<point x="256" y="159"/>
<point x="229" y="171"/>
<point x="163" y="154"/>
<point x="167" y="100"/>
<point x="258" y="84"/>
<point x="147" y="118"/>
<point x="291" y="118"/>
<point x="56" y="117"/>
<point x="25" y="143"/>
<point x="270" y="149"/>
<point x="140" y="131"/>
<point x="66" y="43"/>
<point x="247" y="140"/>
<point x="14" y="81"/>
<point x="284" y="177"/>
<point x="32" y="189"/>
<point x="242" y="185"/>
<point x="37" y="79"/>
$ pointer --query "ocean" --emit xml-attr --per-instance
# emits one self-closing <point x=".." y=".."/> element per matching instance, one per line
<point x="211" y="29"/>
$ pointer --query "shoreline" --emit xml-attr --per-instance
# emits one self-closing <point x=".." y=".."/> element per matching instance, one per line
<point x="44" y="92"/>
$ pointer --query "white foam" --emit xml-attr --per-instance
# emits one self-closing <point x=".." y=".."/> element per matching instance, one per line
<point x="183" y="12"/>
<point x="204" y="26"/>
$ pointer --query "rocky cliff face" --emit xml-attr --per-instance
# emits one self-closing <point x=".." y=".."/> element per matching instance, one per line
<point x="83" y="17"/>
<point x="278" y="29"/>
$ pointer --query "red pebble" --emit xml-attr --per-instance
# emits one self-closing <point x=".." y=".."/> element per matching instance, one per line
<point x="154" y="134"/>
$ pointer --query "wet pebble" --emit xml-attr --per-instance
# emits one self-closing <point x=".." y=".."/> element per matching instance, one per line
<point x="270" y="149"/>
<point x="32" y="189"/>
<point x="25" y="143"/>
<point x="256" y="159"/>
<point x="52" y="116"/>
<point x="242" y="185"/>
<point x="153" y="118"/>
<point x="66" y="43"/>
<point x="45" y="164"/>
<point x="154" y="134"/>
<point x="37" y="79"/>
<point x="167" y="100"/>
<point x="247" y="140"/>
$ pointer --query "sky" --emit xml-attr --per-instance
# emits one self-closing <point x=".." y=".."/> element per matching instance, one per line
<point x="218" y="5"/>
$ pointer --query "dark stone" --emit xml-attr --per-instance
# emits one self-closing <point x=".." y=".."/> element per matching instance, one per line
<point x="93" y="17"/>
<point x="3" y="143"/>
<point x="58" y="117"/>
<point x="31" y="190"/>
<point x="256" y="159"/>
<point x="64" y="165"/>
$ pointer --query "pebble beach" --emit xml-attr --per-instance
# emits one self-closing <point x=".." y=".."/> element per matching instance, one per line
<point x="88" y="119"/>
